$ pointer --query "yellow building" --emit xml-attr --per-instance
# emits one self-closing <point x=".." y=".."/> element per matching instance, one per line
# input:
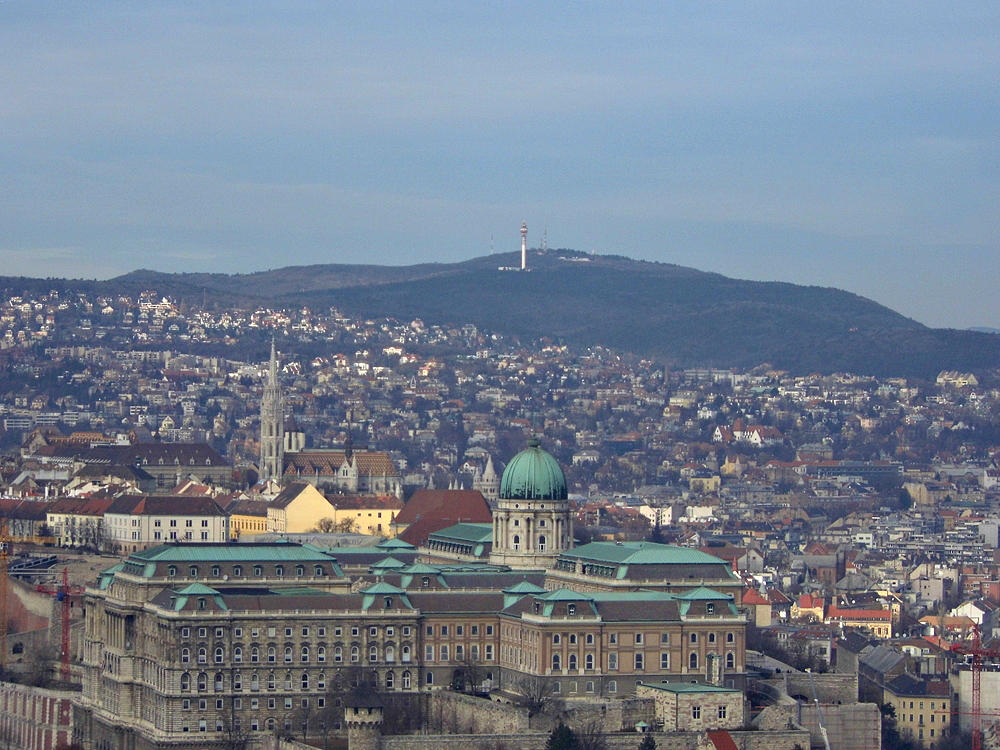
<point x="247" y="518"/>
<point x="298" y="508"/>
<point x="366" y="514"/>
<point x="923" y="708"/>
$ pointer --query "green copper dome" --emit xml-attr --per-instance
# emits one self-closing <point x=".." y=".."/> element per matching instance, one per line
<point x="533" y="475"/>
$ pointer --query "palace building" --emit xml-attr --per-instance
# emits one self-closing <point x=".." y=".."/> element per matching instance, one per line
<point x="187" y="644"/>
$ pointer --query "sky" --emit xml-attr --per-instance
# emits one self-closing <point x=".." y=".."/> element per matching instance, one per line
<point x="838" y="144"/>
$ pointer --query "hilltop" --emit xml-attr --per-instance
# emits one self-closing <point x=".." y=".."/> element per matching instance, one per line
<point x="673" y="313"/>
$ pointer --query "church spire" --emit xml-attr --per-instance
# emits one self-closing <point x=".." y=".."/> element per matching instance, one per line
<point x="272" y="423"/>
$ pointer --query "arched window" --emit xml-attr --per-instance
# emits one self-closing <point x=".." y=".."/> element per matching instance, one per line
<point x="270" y="724"/>
<point x="318" y="570"/>
<point x="193" y="571"/>
<point x="390" y="680"/>
<point x="172" y="571"/>
<point x="693" y="660"/>
<point x="405" y="652"/>
<point x="572" y="661"/>
<point x="556" y="638"/>
<point x="541" y="543"/>
<point x="373" y="653"/>
<point x="202" y="656"/>
<point x="254" y="655"/>
<point x="355" y="654"/>
<point x="406" y="680"/>
<point x="218" y="682"/>
<point x="237" y="681"/>
<point x="216" y="571"/>
<point x="390" y="653"/>
<point x="588" y="661"/>
<point x="258" y="571"/>
<point x="730" y="660"/>
<point x="238" y="654"/>
<point x="288" y="680"/>
<point x="202" y="682"/>
<point x="237" y="570"/>
<point x="300" y="571"/>
<point x="305" y="681"/>
<point x="556" y="662"/>
<point x="220" y="655"/>
<point x="517" y="541"/>
<point x="288" y="654"/>
<point x="255" y="681"/>
<point x="185" y="682"/>
<point x="304" y="653"/>
<point x="321" y="654"/>
<point x="730" y="637"/>
<point x="272" y="681"/>
<point x="338" y="654"/>
<point x="185" y="656"/>
<point x="272" y="654"/>
<point x="279" y="571"/>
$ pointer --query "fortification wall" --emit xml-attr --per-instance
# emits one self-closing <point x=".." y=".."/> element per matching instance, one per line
<point x="831" y="688"/>
<point x="783" y="740"/>
<point x="35" y="718"/>
<point x="456" y="713"/>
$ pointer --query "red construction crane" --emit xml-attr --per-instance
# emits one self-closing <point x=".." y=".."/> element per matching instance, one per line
<point x="978" y="654"/>
<point x="62" y="594"/>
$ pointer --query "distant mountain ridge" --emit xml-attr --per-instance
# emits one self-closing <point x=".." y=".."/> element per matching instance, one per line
<point x="677" y="314"/>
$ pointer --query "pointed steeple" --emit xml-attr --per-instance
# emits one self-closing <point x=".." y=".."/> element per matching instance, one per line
<point x="273" y="370"/>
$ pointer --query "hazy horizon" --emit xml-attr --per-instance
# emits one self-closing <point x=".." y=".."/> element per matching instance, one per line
<point x="853" y="146"/>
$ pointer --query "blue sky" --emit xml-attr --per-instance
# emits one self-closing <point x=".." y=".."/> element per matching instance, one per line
<point x="852" y="144"/>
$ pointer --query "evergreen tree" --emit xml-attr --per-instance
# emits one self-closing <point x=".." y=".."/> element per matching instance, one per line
<point x="562" y="738"/>
<point x="648" y="743"/>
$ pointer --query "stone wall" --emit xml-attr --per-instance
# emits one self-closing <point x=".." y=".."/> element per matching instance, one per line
<point x="783" y="740"/>
<point x="830" y="688"/>
<point x="454" y="713"/>
<point x="856" y="726"/>
<point x="35" y="718"/>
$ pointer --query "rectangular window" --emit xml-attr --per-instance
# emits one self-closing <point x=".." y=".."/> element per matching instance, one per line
<point x="613" y="638"/>
<point x="722" y="712"/>
<point x="444" y="653"/>
<point x="695" y="712"/>
<point x="444" y="630"/>
<point x="664" y="637"/>
<point x="429" y="630"/>
<point x="638" y="662"/>
<point x="612" y="661"/>
<point x="489" y="630"/>
<point x="638" y="637"/>
<point x="459" y="630"/>
<point x="664" y="661"/>
<point x="489" y="652"/>
<point x="428" y="653"/>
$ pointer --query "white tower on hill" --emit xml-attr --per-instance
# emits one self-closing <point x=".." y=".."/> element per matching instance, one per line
<point x="524" y="246"/>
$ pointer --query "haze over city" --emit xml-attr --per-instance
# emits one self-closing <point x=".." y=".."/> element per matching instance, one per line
<point x="851" y="146"/>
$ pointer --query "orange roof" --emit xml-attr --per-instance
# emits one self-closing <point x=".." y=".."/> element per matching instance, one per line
<point x="752" y="596"/>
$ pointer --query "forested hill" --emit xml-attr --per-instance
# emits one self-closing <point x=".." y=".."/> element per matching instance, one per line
<point x="680" y="315"/>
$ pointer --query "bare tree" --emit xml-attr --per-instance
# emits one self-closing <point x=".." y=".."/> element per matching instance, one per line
<point x="537" y="694"/>
<point x="325" y="526"/>
<point x="590" y="736"/>
<point x="235" y="737"/>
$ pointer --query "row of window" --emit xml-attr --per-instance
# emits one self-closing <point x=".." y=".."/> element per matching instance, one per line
<point x="444" y="652"/>
<point x="258" y="571"/>
<point x="639" y="638"/>
<point x="638" y="663"/>
<point x="444" y="630"/>
<point x="271" y="654"/>
<point x="722" y="712"/>
<point x="201" y="681"/>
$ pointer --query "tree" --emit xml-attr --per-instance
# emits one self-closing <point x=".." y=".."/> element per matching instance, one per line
<point x="325" y="526"/>
<point x="537" y="694"/>
<point x="562" y="738"/>
<point x="648" y="743"/>
<point x="590" y="736"/>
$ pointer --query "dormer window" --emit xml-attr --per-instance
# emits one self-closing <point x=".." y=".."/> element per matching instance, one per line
<point x="193" y="571"/>
<point x="216" y="571"/>
<point x="571" y="609"/>
<point x="172" y="571"/>
<point x="710" y="609"/>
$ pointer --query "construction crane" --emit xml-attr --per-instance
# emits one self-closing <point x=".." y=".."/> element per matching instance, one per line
<point x="978" y="654"/>
<point x="63" y="593"/>
<point x="5" y="540"/>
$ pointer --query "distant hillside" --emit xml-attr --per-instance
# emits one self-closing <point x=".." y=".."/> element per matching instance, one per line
<point x="681" y="315"/>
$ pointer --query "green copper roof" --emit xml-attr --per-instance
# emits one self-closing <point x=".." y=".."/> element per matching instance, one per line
<point x="705" y="594"/>
<point x="389" y="562"/>
<point x="382" y="588"/>
<point x="565" y="595"/>
<point x="422" y="568"/>
<point x="642" y="553"/>
<point x="525" y="587"/>
<point x="466" y="532"/>
<point x="533" y="475"/>
<point x="194" y="589"/>
<point x="395" y="544"/>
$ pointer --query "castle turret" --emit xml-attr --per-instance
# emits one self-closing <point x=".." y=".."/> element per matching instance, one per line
<point x="363" y="715"/>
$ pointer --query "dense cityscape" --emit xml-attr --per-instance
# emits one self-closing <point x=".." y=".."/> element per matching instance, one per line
<point x="836" y="535"/>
